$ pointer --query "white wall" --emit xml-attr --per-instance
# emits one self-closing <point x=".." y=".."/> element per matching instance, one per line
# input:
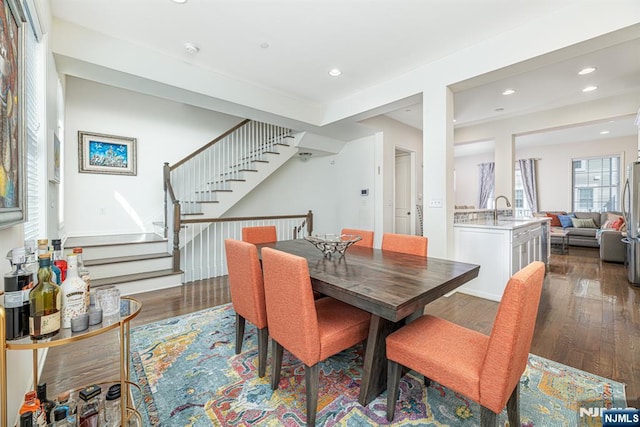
<point x="396" y="135"/>
<point x="328" y="185"/>
<point x="166" y="131"/>
<point x="554" y="166"/>
<point x="467" y="177"/>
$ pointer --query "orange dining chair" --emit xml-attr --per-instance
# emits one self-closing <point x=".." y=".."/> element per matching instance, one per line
<point x="311" y="330"/>
<point x="260" y="234"/>
<point x="405" y="243"/>
<point x="486" y="369"/>
<point x="247" y="295"/>
<point x="367" y="236"/>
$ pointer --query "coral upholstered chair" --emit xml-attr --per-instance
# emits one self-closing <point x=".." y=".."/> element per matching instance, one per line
<point x="405" y="243"/>
<point x="486" y="369"/>
<point x="259" y="235"/>
<point x="311" y="330"/>
<point x="247" y="295"/>
<point x="367" y="236"/>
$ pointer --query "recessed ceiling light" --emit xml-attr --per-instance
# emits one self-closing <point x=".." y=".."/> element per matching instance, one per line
<point x="179" y="1"/>
<point x="191" y="48"/>
<point x="334" y="72"/>
<point x="587" y="70"/>
<point x="590" y="88"/>
<point x="604" y="132"/>
<point x="264" y="45"/>
<point x="509" y="92"/>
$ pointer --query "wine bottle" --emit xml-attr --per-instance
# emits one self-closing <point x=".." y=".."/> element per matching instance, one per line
<point x="73" y="293"/>
<point x="45" y="301"/>
<point x="15" y="284"/>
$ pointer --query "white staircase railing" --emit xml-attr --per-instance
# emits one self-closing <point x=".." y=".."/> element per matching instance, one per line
<point x="203" y="256"/>
<point x="197" y="244"/>
<point x="212" y="169"/>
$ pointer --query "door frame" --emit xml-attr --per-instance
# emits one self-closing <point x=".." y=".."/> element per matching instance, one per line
<point x="412" y="166"/>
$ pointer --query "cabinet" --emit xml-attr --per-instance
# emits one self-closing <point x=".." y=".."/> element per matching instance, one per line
<point x="129" y="309"/>
<point x="501" y="249"/>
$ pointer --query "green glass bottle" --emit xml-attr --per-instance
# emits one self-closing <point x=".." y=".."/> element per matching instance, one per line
<point x="45" y="300"/>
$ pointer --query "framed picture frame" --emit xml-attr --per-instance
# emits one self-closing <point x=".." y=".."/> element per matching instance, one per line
<point x="56" y="160"/>
<point x="12" y="116"/>
<point x="106" y="154"/>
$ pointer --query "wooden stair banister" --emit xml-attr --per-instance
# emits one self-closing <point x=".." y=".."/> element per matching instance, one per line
<point x="206" y="146"/>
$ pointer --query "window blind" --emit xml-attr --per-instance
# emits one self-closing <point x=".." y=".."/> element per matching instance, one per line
<point x="36" y="166"/>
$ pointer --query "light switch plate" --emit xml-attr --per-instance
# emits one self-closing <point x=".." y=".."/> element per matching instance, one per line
<point x="435" y="203"/>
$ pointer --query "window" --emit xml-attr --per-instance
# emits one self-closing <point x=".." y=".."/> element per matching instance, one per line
<point x="520" y="202"/>
<point x="34" y="226"/>
<point x="596" y="184"/>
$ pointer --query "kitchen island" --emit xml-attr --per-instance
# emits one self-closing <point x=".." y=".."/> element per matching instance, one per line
<point x="501" y="247"/>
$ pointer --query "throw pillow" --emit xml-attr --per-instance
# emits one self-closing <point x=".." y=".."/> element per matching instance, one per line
<point x="618" y="223"/>
<point x="583" y="223"/>
<point x="608" y="225"/>
<point x="565" y="220"/>
<point x="555" y="221"/>
<point x="612" y="217"/>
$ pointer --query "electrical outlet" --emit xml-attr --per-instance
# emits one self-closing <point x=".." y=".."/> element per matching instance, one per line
<point x="435" y="203"/>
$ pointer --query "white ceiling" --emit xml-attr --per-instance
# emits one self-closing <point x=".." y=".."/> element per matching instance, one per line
<point x="371" y="41"/>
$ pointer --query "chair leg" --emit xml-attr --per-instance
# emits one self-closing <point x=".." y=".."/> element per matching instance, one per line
<point x="239" y="332"/>
<point x="263" y="341"/>
<point x="488" y="418"/>
<point x="427" y="381"/>
<point x="513" y="406"/>
<point x="276" y="358"/>
<point x="311" y="374"/>
<point x="393" y="383"/>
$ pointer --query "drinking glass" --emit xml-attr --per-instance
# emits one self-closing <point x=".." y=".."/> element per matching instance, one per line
<point x="109" y="300"/>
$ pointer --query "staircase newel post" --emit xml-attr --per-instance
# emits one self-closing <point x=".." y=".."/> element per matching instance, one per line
<point x="309" y="223"/>
<point x="166" y="171"/>
<point x="176" y="235"/>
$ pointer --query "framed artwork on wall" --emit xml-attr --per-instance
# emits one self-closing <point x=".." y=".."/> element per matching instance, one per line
<point x="107" y="154"/>
<point x="56" y="159"/>
<point x="12" y="129"/>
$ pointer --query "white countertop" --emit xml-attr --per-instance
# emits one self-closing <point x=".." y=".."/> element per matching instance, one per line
<point x="503" y="223"/>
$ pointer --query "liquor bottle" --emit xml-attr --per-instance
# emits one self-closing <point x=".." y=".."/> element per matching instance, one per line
<point x="43" y="248"/>
<point x="15" y="284"/>
<point x="60" y="418"/>
<point x="44" y="300"/>
<point x="58" y="258"/>
<point x="26" y="419"/>
<point x="73" y="293"/>
<point x="31" y="405"/>
<point x="46" y="404"/>
<point x="83" y="272"/>
<point x="92" y="408"/>
<point x="69" y="406"/>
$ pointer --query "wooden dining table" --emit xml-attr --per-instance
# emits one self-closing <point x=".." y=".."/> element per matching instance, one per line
<point x="392" y="286"/>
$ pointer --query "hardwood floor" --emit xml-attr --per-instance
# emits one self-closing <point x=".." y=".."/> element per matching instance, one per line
<point x="589" y="318"/>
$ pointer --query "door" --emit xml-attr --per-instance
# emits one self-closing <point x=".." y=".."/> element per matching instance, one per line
<point x="403" y="192"/>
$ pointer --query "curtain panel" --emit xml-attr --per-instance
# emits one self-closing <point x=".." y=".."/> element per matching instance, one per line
<point x="528" y="172"/>
<point x="487" y="183"/>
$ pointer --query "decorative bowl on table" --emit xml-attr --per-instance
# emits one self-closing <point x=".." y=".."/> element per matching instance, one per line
<point x="329" y="244"/>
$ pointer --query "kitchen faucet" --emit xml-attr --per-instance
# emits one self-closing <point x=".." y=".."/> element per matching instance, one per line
<point x="495" y="206"/>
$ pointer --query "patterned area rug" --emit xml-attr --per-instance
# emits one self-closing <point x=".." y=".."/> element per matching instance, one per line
<point x="190" y="376"/>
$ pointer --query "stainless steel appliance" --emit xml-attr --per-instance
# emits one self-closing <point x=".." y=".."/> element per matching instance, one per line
<point x="631" y="212"/>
